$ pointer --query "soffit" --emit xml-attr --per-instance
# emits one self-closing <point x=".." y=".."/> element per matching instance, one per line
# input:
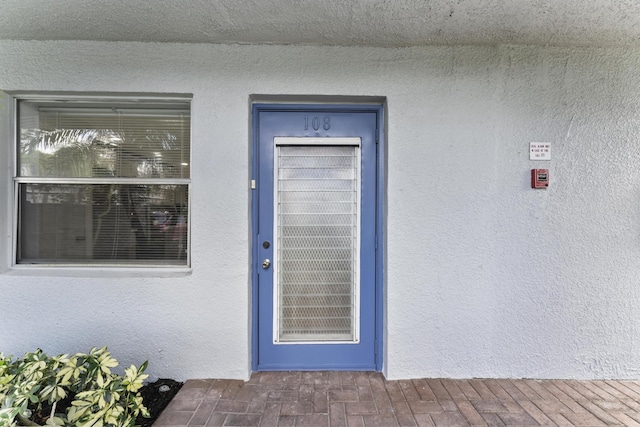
<point x="388" y="23"/>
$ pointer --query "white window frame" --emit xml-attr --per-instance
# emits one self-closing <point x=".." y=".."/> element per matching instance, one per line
<point x="89" y="269"/>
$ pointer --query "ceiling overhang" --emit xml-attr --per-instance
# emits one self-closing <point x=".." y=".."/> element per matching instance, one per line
<point x="384" y="23"/>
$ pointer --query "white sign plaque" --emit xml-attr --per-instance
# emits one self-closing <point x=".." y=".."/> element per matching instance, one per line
<point x="539" y="151"/>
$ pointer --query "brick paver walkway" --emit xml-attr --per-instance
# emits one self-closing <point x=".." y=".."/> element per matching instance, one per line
<point x="367" y="399"/>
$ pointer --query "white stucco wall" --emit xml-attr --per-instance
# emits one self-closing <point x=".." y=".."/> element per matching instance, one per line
<point x="485" y="276"/>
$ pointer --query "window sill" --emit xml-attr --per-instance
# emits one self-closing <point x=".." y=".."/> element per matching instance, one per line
<point x="100" y="272"/>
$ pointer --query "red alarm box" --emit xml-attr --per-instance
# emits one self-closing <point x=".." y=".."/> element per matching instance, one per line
<point x="539" y="178"/>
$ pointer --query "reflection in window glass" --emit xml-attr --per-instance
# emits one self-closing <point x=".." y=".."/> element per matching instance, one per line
<point x="117" y="142"/>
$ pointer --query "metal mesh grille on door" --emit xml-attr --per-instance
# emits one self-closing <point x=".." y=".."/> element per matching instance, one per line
<point x="317" y="210"/>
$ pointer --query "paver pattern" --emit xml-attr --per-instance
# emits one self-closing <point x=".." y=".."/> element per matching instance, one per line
<point x="367" y="399"/>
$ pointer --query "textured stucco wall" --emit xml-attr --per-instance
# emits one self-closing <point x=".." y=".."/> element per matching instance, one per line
<point x="512" y="281"/>
<point x="485" y="276"/>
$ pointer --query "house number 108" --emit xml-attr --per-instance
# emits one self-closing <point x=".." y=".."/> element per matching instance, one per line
<point x="315" y="123"/>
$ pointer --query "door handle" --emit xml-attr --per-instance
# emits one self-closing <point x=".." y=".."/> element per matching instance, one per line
<point x="266" y="263"/>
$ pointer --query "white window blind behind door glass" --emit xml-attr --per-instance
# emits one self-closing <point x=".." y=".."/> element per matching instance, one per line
<point x="317" y="260"/>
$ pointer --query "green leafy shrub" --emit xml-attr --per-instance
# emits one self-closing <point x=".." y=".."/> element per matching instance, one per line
<point x="78" y="390"/>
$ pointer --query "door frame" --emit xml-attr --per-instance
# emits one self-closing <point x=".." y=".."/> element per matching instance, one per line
<point x="380" y="222"/>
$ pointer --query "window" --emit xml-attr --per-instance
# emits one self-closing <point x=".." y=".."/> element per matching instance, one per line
<point x="103" y="182"/>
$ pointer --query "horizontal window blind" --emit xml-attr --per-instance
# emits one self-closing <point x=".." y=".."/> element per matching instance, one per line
<point x="103" y="223"/>
<point x="317" y="214"/>
<point x="104" y="183"/>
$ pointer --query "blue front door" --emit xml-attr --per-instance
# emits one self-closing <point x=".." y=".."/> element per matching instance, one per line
<point x="315" y="224"/>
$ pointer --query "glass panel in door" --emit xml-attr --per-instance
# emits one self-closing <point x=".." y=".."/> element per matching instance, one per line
<point x="317" y="242"/>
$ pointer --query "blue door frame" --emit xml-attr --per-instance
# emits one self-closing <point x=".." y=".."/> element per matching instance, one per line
<point x="257" y="249"/>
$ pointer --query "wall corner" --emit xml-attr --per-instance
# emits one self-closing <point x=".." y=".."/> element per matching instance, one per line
<point x="6" y="166"/>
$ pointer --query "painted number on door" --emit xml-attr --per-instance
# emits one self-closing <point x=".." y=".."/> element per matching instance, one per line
<point x="316" y="122"/>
